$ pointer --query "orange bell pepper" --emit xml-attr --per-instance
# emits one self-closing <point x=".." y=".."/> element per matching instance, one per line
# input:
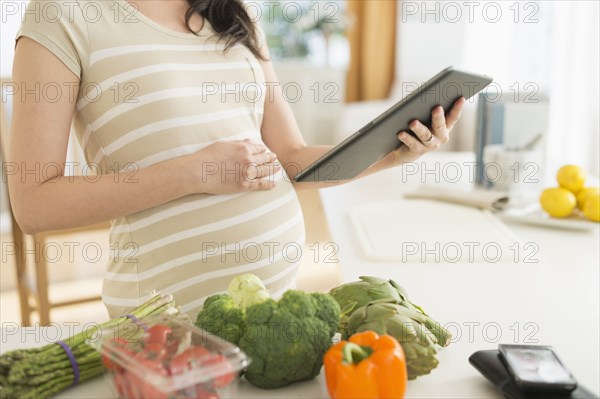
<point x="366" y="366"/>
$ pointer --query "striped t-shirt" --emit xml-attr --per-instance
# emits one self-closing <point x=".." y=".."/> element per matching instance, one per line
<point x="149" y="94"/>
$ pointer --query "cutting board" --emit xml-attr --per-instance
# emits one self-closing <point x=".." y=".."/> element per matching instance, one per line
<point x="426" y="231"/>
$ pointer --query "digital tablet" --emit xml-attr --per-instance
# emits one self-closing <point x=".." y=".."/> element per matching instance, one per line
<point x="379" y="137"/>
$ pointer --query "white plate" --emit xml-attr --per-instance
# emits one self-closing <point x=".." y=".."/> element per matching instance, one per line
<point x="534" y="215"/>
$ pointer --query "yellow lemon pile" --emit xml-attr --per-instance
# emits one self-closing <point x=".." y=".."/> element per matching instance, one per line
<point x="561" y="202"/>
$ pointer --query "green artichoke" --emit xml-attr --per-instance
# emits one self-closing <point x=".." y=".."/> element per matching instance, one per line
<point x="383" y="306"/>
<point x="353" y="295"/>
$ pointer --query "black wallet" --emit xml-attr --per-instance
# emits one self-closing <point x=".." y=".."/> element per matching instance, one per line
<point x="489" y="364"/>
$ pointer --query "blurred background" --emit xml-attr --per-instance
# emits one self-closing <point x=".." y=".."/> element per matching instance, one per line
<point x="341" y="63"/>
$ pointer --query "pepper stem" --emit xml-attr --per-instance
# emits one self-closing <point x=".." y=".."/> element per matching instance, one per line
<point x="353" y="353"/>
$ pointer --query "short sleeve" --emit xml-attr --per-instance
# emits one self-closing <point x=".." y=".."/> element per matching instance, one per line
<point x="60" y="27"/>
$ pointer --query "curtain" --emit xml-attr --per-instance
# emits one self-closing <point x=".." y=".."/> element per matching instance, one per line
<point x="574" y="102"/>
<point x="372" y="37"/>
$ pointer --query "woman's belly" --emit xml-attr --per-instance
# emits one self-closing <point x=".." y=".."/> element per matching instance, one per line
<point x="193" y="246"/>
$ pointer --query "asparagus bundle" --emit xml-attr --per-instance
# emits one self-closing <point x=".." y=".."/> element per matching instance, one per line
<point x="45" y="371"/>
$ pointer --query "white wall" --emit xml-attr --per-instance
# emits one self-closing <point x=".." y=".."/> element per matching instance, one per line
<point x="482" y="37"/>
<point x="10" y="18"/>
<point x="509" y="51"/>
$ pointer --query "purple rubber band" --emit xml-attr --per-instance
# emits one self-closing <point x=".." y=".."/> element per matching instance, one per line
<point x="72" y="360"/>
<point x="137" y="321"/>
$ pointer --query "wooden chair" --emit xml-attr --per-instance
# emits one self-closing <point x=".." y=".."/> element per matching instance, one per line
<point x="33" y="297"/>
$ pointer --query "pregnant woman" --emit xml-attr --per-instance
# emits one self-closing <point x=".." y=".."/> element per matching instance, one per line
<point x="175" y="106"/>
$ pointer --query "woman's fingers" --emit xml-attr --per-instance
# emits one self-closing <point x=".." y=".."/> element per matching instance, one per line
<point x="262" y="165"/>
<point x="254" y="148"/>
<point x="420" y="130"/>
<point x="438" y="121"/>
<point x="438" y="125"/>
<point x="264" y="157"/>
<point x="426" y="139"/>
<point x="455" y="112"/>
<point x="259" y="171"/>
<point x="264" y="184"/>
<point x="412" y="143"/>
<point x="441" y="124"/>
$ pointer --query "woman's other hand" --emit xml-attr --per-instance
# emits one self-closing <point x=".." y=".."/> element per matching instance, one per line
<point x="227" y="167"/>
<point x="427" y="139"/>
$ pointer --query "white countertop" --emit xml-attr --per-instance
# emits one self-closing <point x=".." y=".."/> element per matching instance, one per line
<point x="555" y="301"/>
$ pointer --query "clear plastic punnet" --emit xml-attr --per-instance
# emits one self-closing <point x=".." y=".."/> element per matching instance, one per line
<point x="164" y="357"/>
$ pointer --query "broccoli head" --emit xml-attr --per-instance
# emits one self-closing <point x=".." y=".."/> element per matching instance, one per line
<point x="220" y="316"/>
<point x="286" y="339"/>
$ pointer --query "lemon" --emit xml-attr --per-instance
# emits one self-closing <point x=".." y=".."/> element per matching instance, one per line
<point x="584" y="194"/>
<point x="558" y="202"/>
<point x="571" y="177"/>
<point x="591" y="209"/>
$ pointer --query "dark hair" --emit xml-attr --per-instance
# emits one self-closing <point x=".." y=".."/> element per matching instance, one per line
<point x="229" y="19"/>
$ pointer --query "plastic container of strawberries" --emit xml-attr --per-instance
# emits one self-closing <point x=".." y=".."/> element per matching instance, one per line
<point x="164" y="357"/>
